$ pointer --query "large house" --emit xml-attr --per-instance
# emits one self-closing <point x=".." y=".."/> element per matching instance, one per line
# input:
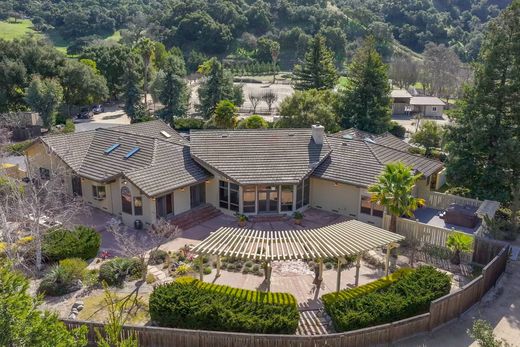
<point x="147" y="171"/>
<point x="426" y="106"/>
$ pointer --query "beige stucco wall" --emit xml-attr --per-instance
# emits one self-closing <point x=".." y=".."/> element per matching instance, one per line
<point x="181" y="200"/>
<point x="427" y="111"/>
<point x="212" y="192"/>
<point x="39" y="157"/>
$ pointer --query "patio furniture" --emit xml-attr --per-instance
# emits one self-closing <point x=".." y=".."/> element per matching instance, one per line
<point x="460" y="215"/>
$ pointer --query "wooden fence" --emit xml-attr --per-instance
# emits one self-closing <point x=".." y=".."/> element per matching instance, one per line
<point x="441" y="311"/>
<point x="420" y="231"/>
<point x="441" y="201"/>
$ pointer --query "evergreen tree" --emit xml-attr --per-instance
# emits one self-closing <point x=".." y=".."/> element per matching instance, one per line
<point x="132" y="88"/>
<point x="317" y="70"/>
<point x="217" y="86"/>
<point x="484" y="141"/>
<point x="170" y="87"/>
<point x="225" y="115"/>
<point x="44" y="96"/>
<point x="365" y="102"/>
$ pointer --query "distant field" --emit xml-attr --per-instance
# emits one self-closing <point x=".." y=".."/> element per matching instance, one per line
<point x="10" y="30"/>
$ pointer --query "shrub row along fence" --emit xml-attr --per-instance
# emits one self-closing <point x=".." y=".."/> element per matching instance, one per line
<point x="442" y="311"/>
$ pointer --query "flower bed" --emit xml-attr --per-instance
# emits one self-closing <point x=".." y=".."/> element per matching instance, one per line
<point x="192" y="304"/>
<point x="398" y="296"/>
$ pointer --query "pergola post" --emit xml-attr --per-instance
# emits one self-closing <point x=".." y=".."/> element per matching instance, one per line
<point x="201" y="268"/>
<point x="320" y="270"/>
<point x="218" y="266"/>
<point x="387" y="259"/>
<point x="338" y="277"/>
<point x="268" y="275"/>
<point x="358" y="265"/>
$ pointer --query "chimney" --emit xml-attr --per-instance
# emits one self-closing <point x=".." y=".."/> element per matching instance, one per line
<point x="318" y="132"/>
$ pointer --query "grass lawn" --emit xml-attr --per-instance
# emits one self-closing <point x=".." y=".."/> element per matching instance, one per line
<point x="96" y="309"/>
<point x="9" y="30"/>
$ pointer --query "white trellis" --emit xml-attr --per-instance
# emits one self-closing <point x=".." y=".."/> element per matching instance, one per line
<point x="333" y="241"/>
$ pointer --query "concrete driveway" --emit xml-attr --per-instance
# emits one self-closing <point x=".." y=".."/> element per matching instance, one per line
<point x="113" y="116"/>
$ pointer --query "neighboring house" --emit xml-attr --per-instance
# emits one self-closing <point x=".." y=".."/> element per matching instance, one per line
<point x="147" y="170"/>
<point x="426" y="106"/>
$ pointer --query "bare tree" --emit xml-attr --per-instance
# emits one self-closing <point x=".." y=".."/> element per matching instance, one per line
<point x="31" y="207"/>
<point x="270" y="98"/>
<point x="140" y="245"/>
<point x="404" y="71"/>
<point x="254" y="100"/>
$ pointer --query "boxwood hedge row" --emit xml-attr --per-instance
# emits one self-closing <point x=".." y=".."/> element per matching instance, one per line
<point x="403" y="294"/>
<point x="191" y="304"/>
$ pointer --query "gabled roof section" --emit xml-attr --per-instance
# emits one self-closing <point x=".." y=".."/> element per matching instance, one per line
<point x="71" y="148"/>
<point x="172" y="168"/>
<point x="426" y="101"/>
<point x="100" y="166"/>
<point x="359" y="162"/>
<point x="259" y="156"/>
<point x="154" y="128"/>
<point x="385" y="139"/>
<point x="400" y="93"/>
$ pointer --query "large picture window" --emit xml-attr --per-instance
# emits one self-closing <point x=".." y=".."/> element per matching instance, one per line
<point x="287" y="198"/>
<point x="371" y="208"/>
<point x="99" y="192"/>
<point x="228" y="196"/>
<point x="126" y="200"/>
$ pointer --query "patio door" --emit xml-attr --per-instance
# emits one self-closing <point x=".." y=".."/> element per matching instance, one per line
<point x="267" y="199"/>
<point x="76" y="186"/>
<point x="197" y="195"/>
<point x="164" y="206"/>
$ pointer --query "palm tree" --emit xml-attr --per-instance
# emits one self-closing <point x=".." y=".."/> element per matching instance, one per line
<point x="146" y="48"/>
<point x="394" y="191"/>
<point x="458" y="243"/>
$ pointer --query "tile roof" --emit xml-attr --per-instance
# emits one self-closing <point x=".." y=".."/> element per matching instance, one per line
<point x="426" y="101"/>
<point x="259" y="156"/>
<point x="161" y="164"/>
<point x="385" y="139"/>
<point x="359" y="162"/>
<point x="152" y="129"/>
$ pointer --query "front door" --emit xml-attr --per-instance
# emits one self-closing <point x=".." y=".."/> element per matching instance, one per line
<point x="76" y="186"/>
<point x="267" y="199"/>
<point x="164" y="206"/>
<point x="197" y="195"/>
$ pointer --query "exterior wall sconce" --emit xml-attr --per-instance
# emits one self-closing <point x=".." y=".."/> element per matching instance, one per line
<point x="125" y="182"/>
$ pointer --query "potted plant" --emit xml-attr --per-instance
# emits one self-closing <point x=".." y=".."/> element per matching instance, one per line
<point x="298" y="216"/>
<point x="242" y="219"/>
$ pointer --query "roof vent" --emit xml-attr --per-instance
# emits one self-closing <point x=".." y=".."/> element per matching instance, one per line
<point x="224" y="135"/>
<point x="348" y="137"/>
<point x="132" y="152"/>
<point x="368" y="139"/>
<point x="111" y="148"/>
<point x="165" y="134"/>
<point x="291" y="134"/>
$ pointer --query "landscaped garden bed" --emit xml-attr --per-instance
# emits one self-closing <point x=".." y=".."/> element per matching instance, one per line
<point x="403" y="294"/>
<point x="192" y="304"/>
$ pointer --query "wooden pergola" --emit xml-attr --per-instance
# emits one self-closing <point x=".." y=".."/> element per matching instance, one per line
<point x="333" y="241"/>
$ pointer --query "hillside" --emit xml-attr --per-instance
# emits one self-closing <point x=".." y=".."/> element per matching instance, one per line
<point x="241" y="28"/>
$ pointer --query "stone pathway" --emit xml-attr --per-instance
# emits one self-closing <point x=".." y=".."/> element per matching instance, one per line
<point x="159" y="274"/>
<point x="314" y="322"/>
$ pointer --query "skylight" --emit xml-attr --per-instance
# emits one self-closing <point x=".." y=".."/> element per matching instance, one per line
<point x="111" y="148"/>
<point x="132" y="152"/>
<point x="348" y="137"/>
<point x="165" y="134"/>
<point x="368" y="139"/>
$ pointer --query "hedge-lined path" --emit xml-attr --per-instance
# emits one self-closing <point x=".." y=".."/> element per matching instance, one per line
<point x="314" y="322"/>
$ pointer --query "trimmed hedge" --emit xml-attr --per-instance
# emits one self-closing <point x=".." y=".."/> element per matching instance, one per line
<point x="388" y="299"/>
<point x="114" y="272"/>
<point x="191" y="304"/>
<point x="82" y="242"/>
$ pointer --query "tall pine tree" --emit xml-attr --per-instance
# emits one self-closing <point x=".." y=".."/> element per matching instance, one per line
<point x="132" y="88"/>
<point x="484" y="141"/>
<point x="365" y="102"/>
<point x="170" y="87"/>
<point x="317" y="70"/>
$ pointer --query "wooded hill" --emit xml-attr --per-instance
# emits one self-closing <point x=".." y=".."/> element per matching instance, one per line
<point x="243" y="28"/>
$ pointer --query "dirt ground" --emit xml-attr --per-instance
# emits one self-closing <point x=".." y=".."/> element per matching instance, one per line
<point x="500" y="307"/>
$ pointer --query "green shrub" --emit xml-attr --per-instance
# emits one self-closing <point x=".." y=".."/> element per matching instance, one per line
<point x="397" y="129"/>
<point x="158" y="257"/>
<point x="18" y="148"/>
<point x="69" y="127"/>
<point x="207" y="270"/>
<point x="185" y="124"/>
<point x="182" y="270"/>
<point x="388" y="299"/>
<point x="74" y="266"/>
<point x="248" y="263"/>
<point x="61" y="279"/>
<point x="192" y="304"/>
<point x="114" y="272"/>
<point x="82" y="242"/>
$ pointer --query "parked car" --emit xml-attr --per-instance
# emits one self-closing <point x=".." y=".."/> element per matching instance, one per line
<point x="98" y="109"/>
<point x="84" y="113"/>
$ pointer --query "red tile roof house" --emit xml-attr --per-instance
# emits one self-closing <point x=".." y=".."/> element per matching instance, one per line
<point x="147" y="171"/>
